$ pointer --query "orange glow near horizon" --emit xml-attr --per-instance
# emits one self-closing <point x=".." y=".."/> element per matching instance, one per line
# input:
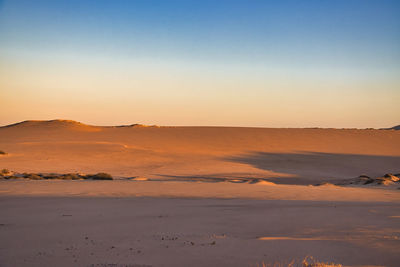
<point x="179" y="95"/>
<point x="197" y="64"/>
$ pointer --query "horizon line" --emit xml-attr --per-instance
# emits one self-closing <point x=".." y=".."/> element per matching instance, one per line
<point x="395" y="127"/>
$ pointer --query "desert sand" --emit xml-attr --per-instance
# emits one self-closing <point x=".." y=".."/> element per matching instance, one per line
<point x="291" y="156"/>
<point x="197" y="196"/>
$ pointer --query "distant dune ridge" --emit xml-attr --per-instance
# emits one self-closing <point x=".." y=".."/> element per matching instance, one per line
<point x="289" y="156"/>
<point x="394" y="128"/>
<point x="43" y="123"/>
<point x="63" y="123"/>
<point x="73" y="123"/>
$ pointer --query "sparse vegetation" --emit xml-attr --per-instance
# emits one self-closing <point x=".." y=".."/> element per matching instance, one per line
<point x="386" y="180"/>
<point x="99" y="176"/>
<point x="6" y="174"/>
<point x="2" y="152"/>
<point x="308" y="261"/>
<point x="71" y="176"/>
<point x="32" y="176"/>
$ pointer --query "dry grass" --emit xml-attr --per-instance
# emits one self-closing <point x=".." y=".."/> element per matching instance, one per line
<point x="99" y="176"/>
<point x="6" y="174"/>
<point x="308" y="261"/>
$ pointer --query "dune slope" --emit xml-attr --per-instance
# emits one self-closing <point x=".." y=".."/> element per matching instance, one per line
<point x="294" y="156"/>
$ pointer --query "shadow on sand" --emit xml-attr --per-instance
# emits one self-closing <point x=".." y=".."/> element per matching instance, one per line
<point x="214" y="178"/>
<point x="314" y="167"/>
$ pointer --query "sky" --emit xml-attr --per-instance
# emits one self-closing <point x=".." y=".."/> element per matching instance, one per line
<point x="315" y="63"/>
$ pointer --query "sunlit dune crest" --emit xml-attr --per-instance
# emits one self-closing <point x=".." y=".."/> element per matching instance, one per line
<point x="42" y="123"/>
<point x="68" y="124"/>
<point x="54" y="124"/>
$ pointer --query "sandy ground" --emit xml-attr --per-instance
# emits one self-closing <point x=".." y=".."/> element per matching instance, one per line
<point x="193" y="205"/>
<point x="94" y="231"/>
<point x="165" y="223"/>
<point x="290" y="156"/>
<point x="169" y="189"/>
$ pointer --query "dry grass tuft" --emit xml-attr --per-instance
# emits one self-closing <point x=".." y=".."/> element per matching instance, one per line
<point x="308" y="261"/>
<point x="6" y="174"/>
<point x="99" y="176"/>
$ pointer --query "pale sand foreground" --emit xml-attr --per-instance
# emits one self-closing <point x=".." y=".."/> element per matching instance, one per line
<point x="102" y="223"/>
<point x="82" y="231"/>
<point x="168" y="189"/>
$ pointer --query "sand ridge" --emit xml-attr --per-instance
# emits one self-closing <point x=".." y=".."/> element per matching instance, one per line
<point x="290" y="156"/>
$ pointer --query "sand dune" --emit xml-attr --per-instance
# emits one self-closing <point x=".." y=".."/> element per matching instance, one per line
<point x="293" y="156"/>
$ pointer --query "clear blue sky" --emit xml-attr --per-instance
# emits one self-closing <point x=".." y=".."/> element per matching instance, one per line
<point x="243" y="63"/>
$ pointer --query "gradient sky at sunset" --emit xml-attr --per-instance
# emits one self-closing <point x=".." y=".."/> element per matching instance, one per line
<point x="233" y="63"/>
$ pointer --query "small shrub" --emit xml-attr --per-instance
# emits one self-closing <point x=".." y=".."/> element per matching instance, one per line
<point x="309" y="261"/>
<point x="70" y="176"/>
<point x="4" y="172"/>
<point x="32" y="176"/>
<point x="49" y="177"/>
<point x="10" y="177"/>
<point x="99" y="176"/>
